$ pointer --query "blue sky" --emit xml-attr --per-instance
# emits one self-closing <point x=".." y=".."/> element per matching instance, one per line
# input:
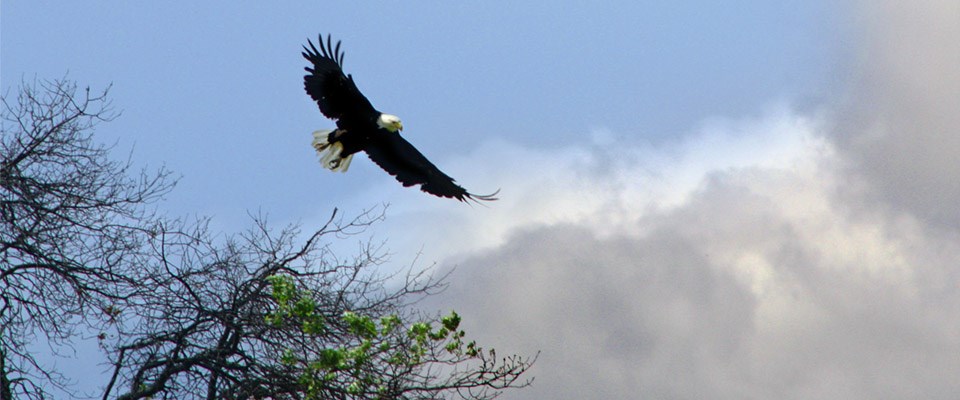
<point x="213" y="90"/>
<point x="700" y="199"/>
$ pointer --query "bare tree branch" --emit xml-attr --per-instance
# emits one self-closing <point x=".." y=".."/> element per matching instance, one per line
<point x="72" y="224"/>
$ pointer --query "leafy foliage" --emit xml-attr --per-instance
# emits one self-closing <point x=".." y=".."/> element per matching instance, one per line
<point x="355" y="368"/>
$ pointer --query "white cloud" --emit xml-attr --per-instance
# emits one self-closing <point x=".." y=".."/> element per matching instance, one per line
<point x="759" y="276"/>
<point x="600" y="184"/>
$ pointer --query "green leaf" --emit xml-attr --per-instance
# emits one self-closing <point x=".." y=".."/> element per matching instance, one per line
<point x="418" y="332"/>
<point x="451" y="322"/>
<point x="313" y="326"/>
<point x="304" y="307"/>
<point x="331" y="359"/>
<point x="360" y="325"/>
<point x="389" y="323"/>
<point x="288" y="358"/>
<point x="440" y="334"/>
<point x="452" y="347"/>
<point x="472" y="349"/>
<point x="355" y="388"/>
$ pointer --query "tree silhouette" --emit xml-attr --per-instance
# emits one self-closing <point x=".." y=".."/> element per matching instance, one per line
<point x="178" y="313"/>
<point x="73" y="227"/>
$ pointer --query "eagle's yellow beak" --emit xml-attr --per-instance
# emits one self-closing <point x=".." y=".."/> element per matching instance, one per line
<point x="399" y="125"/>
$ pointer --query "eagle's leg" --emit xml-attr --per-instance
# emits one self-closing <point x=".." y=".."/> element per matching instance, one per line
<point x="331" y="151"/>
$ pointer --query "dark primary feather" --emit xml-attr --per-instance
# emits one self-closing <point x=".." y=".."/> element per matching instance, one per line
<point x="399" y="158"/>
<point x="335" y="93"/>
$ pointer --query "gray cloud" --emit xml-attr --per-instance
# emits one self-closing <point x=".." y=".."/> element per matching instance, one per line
<point x="613" y="317"/>
<point x="902" y="126"/>
<point x="739" y="294"/>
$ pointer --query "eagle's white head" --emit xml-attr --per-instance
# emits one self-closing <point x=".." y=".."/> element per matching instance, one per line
<point x="390" y="122"/>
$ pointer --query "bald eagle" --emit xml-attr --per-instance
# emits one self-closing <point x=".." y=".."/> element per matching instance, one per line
<point x="360" y="127"/>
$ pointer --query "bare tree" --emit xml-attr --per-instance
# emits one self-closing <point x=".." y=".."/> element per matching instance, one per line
<point x="72" y="221"/>
<point x="180" y="314"/>
<point x="263" y="317"/>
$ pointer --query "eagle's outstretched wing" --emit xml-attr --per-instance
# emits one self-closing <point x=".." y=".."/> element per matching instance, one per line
<point x="335" y="92"/>
<point x="399" y="158"/>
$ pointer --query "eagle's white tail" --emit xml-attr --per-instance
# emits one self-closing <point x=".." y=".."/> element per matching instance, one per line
<point x="330" y="152"/>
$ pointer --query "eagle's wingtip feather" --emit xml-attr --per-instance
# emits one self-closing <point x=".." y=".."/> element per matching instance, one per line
<point x="482" y="197"/>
